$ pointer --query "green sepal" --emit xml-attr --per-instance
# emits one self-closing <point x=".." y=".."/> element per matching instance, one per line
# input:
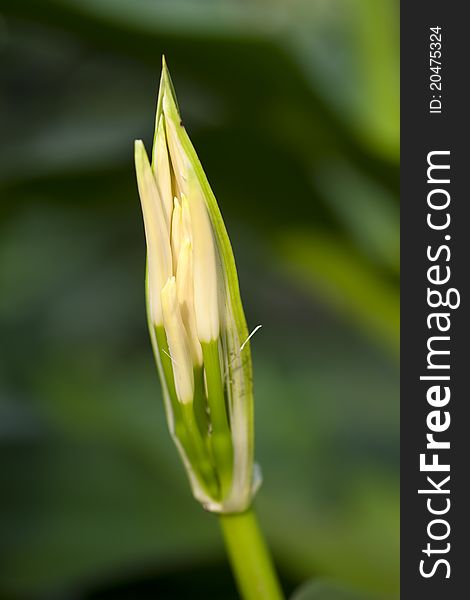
<point x="183" y="425"/>
<point x="220" y="437"/>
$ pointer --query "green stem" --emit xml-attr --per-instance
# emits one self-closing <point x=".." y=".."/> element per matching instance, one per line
<point x="249" y="556"/>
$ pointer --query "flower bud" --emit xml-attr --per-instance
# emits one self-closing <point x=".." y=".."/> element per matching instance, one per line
<point x="196" y="320"/>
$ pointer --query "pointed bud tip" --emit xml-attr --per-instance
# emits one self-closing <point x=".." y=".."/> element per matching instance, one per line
<point x="166" y="73"/>
<point x="139" y="150"/>
<point x="169" y="103"/>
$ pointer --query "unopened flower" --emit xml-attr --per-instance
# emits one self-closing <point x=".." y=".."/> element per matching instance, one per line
<point x="196" y="320"/>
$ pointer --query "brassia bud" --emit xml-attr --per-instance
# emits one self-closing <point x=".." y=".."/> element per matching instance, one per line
<point x="195" y="315"/>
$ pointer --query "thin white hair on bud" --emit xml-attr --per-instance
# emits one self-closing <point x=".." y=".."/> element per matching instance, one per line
<point x="169" y="356"/>
<point x="257" y="328"/>
<point x="237" y="354"/>
<point x="162" y="170"/>
<point x="159" y="260"/>
<point x="185" y="291"/>
<point x="178" y="344"/>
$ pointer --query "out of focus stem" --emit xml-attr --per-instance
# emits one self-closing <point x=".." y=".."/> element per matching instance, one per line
<point x="249" y="556"/>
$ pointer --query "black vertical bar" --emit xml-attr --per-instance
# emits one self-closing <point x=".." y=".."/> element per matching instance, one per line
<point x="423" y="132"/>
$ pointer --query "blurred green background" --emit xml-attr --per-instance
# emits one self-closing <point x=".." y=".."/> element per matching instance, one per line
<point x="293" y="109"/>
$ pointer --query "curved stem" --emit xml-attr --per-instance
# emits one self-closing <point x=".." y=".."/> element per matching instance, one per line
<point x="249" y="556"/>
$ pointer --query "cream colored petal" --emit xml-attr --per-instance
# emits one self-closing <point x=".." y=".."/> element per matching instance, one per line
<point x="205" y="272"/>
<point x="205" y="265"/>
<point x="178" y="156"/>
<point x="186" y="227"/>
<point x="177" y="343"/>
<point x="159" y="260"/>
<point x="176" y="231"/>
<point x="162" y="170"/>
<point x="185" y="292"/>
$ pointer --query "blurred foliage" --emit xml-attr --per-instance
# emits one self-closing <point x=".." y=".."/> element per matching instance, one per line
<point x="323" y="590"/>
<point x="293" y="108"/>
